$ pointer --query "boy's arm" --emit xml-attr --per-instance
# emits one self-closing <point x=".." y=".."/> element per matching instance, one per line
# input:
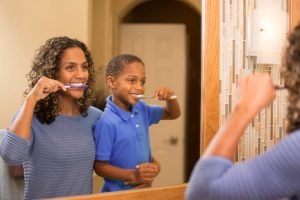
<point x="171" y="110"/>
<point x="106" y="170"/>
<point x="144" y="173"/>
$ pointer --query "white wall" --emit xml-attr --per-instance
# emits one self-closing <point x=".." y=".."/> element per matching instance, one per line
<point x="24" y="26"/>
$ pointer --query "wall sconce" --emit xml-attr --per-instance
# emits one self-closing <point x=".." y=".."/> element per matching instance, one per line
<point x="267" y="29"/>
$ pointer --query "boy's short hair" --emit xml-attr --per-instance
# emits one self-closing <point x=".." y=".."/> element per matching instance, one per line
<point x="117" y="63"/>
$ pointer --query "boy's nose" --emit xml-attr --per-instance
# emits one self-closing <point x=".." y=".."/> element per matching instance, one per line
<point x="140" y="86"/>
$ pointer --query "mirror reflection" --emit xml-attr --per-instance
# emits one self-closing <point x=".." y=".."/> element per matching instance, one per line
<point x="165" y="34"/>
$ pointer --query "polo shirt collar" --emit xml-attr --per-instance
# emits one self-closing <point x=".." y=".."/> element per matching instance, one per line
<point x="124" y="115"/>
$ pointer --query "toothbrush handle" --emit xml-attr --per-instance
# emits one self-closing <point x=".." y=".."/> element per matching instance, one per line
<point x="150" y="97"/>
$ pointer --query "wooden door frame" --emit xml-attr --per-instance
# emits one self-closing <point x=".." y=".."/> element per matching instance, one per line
<point x="294" y="14"/>
<point x="211" y="63"/>
<point x="210" y="70"/>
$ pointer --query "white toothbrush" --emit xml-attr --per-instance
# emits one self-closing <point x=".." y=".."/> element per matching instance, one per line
<point x="140" y="96"/>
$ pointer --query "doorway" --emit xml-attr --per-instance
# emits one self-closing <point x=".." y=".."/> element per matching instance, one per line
<point x="162" y="49"/>
<point x="179" y="12"/>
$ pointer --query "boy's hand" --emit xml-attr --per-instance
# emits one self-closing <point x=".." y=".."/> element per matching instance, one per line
<point x="143" y="185"/>
<point x="163" y="93"/>
<point x="144" y="175"/>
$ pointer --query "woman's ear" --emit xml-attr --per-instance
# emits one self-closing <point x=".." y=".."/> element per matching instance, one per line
<point x="110" y="81"/>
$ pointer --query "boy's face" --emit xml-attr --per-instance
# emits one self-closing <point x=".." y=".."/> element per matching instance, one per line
<point x="129" y="83"/>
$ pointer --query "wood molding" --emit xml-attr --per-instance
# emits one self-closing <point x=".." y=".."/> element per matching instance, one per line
<point x="294" y="8"/>
<point x="211" y="68"/>
<point x="165" y="193"/>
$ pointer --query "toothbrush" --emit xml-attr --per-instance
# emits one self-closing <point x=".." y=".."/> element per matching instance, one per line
<point x="77" y="85"/>
<point x="140" y="96"/>
<point x="279" y="87"/>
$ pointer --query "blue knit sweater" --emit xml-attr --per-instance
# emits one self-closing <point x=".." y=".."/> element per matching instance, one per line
<point x="273" y="175"/>
<point x="58" y="159"/>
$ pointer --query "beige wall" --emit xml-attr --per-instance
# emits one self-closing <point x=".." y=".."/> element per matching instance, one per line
<point x="106" y="19"/>
<point x="25" y="25"/>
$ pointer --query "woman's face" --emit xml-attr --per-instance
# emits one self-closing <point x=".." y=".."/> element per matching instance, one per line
<point x="73" y="69"/>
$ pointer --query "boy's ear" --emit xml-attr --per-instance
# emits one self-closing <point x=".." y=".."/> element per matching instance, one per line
<point x="110" y="81"/>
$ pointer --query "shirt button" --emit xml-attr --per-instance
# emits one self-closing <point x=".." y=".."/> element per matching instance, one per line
<point x="137" y="125"/>
<point x="132" y="115"/>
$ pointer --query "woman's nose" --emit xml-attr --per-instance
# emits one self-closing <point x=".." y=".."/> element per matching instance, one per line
<point x="81" y="73"/>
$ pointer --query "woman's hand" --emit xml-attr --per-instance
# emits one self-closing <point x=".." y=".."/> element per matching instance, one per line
<point x="256" y="92"/>
<point x="44" y="87"/>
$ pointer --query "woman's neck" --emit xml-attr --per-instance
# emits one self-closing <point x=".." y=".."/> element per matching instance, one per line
<point x="68" y="107"/>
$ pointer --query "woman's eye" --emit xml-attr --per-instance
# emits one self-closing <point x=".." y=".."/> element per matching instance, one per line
<point x="70" y="67"/>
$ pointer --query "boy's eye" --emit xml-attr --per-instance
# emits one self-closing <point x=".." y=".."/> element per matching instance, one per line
<point x="85" y="67"/>
<point x="131" y="80"/>
<point x="143" y="82"/>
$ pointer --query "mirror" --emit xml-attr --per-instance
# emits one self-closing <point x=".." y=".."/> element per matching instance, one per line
<point x="101" y="25"/>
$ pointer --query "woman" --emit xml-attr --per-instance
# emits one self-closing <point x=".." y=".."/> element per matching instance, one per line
<point x="271" y="175"/>
<point x="51" y="134"/>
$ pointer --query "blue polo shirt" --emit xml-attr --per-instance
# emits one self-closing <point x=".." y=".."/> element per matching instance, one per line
<point x="122" y="138"/>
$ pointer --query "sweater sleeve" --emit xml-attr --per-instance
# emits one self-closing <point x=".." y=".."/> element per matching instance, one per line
<point x="13" y="149"/>
<point x="274" y="174"/>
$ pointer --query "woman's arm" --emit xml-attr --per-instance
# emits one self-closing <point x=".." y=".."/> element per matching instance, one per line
<point x="256" y="91"/>
<point x="22" y="123"/>
<point x="16" y="143"/>
<point x="214" y="173"/>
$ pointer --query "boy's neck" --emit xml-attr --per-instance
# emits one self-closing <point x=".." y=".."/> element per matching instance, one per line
<point x="121" y="105"/>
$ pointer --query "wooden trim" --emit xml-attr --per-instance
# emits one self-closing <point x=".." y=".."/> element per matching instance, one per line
<point x="294" y="7"/>
<point x="211" y="70"/>
<point x="166" y="193"/>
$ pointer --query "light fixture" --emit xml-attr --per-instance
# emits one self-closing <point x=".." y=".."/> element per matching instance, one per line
<point x="267" y="31"/>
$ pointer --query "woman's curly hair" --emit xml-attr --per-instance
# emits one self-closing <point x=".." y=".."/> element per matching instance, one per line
<point x="47" y="63"/>
<point x="290" y="72"/>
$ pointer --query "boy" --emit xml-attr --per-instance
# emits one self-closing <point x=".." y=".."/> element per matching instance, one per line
<point x="123" y="152"/>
